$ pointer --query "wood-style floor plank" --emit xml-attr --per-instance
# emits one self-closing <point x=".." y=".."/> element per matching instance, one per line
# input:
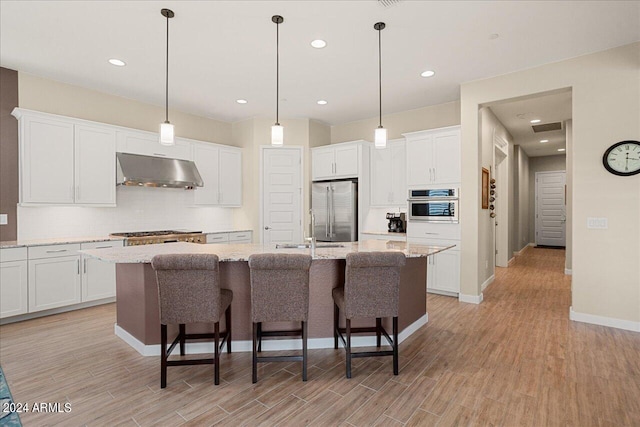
<point x="514" y="360"/>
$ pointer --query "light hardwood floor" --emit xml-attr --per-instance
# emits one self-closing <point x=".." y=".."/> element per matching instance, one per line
<point x="514" y="360"/>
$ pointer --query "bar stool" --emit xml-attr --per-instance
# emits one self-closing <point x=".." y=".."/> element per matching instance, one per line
<point x="371" y="289"/>
<point x="279" y="293"/>
<point x="189" y="292"/>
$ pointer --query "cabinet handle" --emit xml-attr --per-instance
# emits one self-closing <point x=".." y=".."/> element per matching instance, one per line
<point x="429" y="233"/>
<point x="435" y="174"/>
<point x="160" y="154"/>
<point x="85" y="266"/>
<point x="242" y="236"/>
<point x="78" y="263"/>
<point x="102" y="247"/>
<point x="57" y="251"/>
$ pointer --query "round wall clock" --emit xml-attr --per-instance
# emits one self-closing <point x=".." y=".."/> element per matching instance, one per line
<point x="623" y="158"/>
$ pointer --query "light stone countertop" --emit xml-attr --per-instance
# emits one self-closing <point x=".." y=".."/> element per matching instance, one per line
<point x="55" y="241"/>
<point x="227" y="231"/>
<point x="384" y="233"/>
<point x="241" y="252"/>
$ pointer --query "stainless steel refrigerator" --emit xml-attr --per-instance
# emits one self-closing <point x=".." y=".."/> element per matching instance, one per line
<point x="335" y="206"/>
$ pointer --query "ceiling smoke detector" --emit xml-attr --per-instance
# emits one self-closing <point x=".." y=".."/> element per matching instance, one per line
<point x="388" y="3"/>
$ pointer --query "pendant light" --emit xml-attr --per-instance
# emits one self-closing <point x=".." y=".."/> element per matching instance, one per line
<point x="277" y="131"/>
<point x="166" y="129"/>
<point x="380" y="133"/>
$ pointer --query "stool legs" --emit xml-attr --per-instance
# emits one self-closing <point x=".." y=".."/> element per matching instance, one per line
<point x="336" y="323"/>
<point x="254" y="359"/>
<point x="181" y="331"/>
<point x="216" y="354"/>
<point x="395" y="345"/>
<point x="348" y="347"/>
<point x="163" y="356"/>
<point x="378" y="330"/>
<point x="227" y="325"/>
<point x="304" y="351"/>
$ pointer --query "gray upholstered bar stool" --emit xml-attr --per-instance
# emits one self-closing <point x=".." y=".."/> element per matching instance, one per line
<point x="279" y="293"/>
<point x="371" y="289"/>
<point x="189" y="292"/>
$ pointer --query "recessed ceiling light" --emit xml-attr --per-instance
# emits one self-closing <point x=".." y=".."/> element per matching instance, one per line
<point x="322" y="102"/>
<point x="241" y="101"/>
<point x="535" y="121"/>
<point x="318" y="44"/>
<point x="544" y="140"/>
<point x="117" y="62"/>
<point x="561" y="149"/>
<point x="428" y="73"/>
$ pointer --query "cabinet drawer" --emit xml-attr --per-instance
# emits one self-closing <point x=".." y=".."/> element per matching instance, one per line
<point x="53" y="251"/>
<point x="102" y="245"/>
<point x="429" y="230"/>
<point x="218" y="238"/>
<point x="240" y="237"/>
<point x="435" y="242"/>
<point x="13" y="254"/>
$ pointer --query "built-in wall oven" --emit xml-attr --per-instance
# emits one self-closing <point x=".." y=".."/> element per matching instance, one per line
<point x="434" y="205"/>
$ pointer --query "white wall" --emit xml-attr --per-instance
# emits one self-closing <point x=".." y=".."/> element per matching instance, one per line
<point x="138" y="209"/>
<point x="541" y="164"/>
<point x="606" y="108"/>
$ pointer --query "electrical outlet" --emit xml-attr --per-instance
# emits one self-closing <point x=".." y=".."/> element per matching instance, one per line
<point x="597" y="223"/>
<point x="3" y="219"/>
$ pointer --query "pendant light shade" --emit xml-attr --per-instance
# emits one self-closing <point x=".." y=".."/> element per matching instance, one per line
<point x="380" y="139"/>
<point x="277" y="131"/>
<point x="167" y="134"/>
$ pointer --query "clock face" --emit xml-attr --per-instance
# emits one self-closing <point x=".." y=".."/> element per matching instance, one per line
<point x="623" y="158"/>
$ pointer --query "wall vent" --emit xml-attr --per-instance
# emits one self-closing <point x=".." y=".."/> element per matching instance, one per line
<point x="547" y="127"/>
<point x="388" y="3"/>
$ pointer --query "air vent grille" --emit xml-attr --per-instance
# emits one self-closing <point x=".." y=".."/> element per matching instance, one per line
<point x="388" y="3"/>
<point x="547" y="127"/>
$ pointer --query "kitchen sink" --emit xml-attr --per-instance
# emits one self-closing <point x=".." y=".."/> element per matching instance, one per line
<point x="307" y="245"/>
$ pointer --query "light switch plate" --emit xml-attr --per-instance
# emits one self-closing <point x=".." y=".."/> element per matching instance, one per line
<point x="3" y="219"/>
<point x="597" y="223"/>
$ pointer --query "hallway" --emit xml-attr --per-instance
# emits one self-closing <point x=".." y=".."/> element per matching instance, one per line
<point x="513" y="360"/>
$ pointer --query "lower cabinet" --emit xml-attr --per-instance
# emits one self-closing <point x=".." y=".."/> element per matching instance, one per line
<point x="54" y="282"/>
<point x="231" y="237"/>
<point x="98" y="277"/>
<point x="443" y="268"/>
<point x="13" y="282"/>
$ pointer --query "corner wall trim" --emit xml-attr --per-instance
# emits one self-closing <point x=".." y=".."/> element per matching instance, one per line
<point x="488" y="282"/>
<point x="568" y="271"/>
<point x="246" y="345"/>
<point x="471" y="299"/>
<point x="627" y="325"/>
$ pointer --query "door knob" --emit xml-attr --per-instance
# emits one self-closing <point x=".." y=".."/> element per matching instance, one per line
<point x="267" y="227"/>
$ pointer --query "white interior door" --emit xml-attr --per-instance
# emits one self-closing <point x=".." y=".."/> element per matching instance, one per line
<point x="550" y="209"/>
<point x="281" y="195"/>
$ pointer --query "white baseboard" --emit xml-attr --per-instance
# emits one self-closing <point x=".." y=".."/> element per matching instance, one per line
<point x="568" y="271"/>
<point x="521" y="251"/>
<point x="513" y="258"/>
<point x="471" y="299"/>
<point x="246" y="345"/>
<point x="627" y="325"/>
<point x="29" y="316"/>
<point x="487" y="282"/>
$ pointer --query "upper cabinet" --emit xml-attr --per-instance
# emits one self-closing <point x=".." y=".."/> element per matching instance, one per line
<point x="221" y="170"/>
<point x="148" y="144"/>
<point x="65" y="161"/>
<point x="335" y="161"/>
<point x="388" y="175"/>
<point x="433" y="156"/>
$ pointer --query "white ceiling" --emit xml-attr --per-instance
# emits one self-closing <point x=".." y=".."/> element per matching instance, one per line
<point x="516" y="116"/>
<point x="224" y="50"/>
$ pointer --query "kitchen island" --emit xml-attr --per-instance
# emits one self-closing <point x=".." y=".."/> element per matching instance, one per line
<point x="137" y="294"/>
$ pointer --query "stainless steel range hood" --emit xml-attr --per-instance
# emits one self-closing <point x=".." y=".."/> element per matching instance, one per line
<point x="149" y="171"/>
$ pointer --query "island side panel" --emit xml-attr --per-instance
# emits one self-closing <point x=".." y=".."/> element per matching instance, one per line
<point x="131" y="311"/>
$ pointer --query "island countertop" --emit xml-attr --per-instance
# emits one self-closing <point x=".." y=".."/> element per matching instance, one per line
<point x="241" y="252"/>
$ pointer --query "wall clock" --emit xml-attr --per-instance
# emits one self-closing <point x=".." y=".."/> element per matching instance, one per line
<point x="623" y="158"/>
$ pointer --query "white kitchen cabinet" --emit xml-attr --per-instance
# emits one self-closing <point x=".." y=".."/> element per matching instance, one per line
<point x="65" y="161"/>
<point x="148" y="144"/>
<point x="335" y="161"/>
<point x="433" y="157"/>
<point x="13" y="282"/>
<point x="54" y="276"/>
<point x="388" y="175"/>
<point x="221" y="170"/>
<point x="98" y="277"/>
<point x="231" y="237"/>
<point x="443" y="268"/>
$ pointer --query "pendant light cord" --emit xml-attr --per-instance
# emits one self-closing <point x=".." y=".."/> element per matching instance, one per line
<point x="166" y="82"/>
<point x="380" y="73"/>
<point x="277" y="74"/>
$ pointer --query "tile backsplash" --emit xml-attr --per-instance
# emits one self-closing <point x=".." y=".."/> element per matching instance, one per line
<point x="138" y="209"/>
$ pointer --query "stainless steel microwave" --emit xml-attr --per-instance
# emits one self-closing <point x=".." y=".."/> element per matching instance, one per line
<point x="434" y="205"/>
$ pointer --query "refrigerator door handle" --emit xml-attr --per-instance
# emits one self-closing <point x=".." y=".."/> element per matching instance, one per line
<point x="332" y="213"/>
<point x="326" y="218"/>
